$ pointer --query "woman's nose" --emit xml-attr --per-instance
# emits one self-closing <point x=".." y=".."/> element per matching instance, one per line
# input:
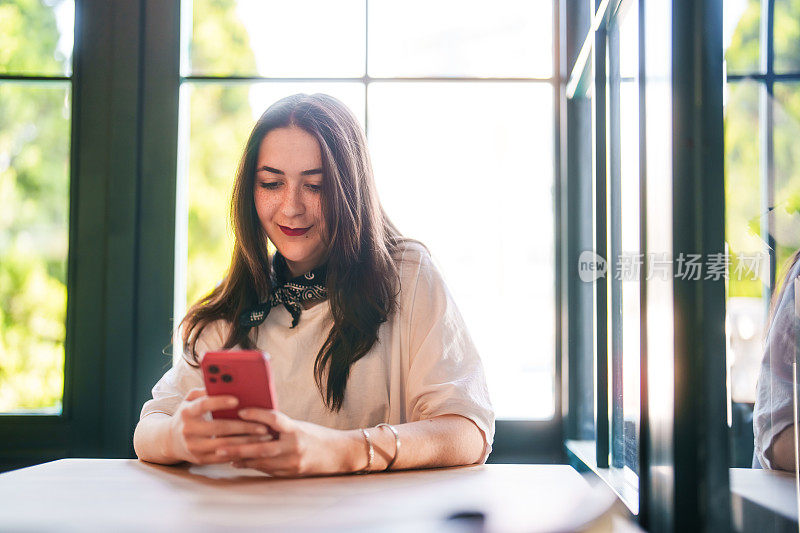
<point x="292" y="202"/>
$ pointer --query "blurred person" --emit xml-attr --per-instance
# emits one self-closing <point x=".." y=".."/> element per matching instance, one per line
<point x="776" y="407"/>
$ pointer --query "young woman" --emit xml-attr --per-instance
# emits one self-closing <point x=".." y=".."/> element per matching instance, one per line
<point x="778" y="393"/>
<point x="373" y="366"/>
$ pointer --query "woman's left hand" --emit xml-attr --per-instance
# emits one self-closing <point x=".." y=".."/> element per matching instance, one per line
<point x="303" y="448"/>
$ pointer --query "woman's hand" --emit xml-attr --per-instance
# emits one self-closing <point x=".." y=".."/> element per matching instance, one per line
<point x="196" y="439"/>
<point x="303" y="448"/>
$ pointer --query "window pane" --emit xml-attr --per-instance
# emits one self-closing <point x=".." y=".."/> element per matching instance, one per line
<point x="581" y="181"/>
<point x="744" y="308"/>
<point x="742" y="187"/>
<point x="630" y="246"/>
<point x="275" y="38"/>
<point x="508" y="38"/>
<point x="36" y="37"/>
<point x="34" y="237"/>
<point x="787" y="172"/>
<point x="742" y="19"/>
<point x="220" y="119"/>
<point x="658" y="205"/>
<point x="467" y="168"/>
<point x="787" y="36"/>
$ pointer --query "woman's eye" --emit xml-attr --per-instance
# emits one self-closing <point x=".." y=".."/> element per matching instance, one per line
<point x="315" y="188"/>
<point x="269" y="185"/>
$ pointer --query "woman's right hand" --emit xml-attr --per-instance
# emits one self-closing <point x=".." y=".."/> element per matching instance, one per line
<point x="195" y="438"/>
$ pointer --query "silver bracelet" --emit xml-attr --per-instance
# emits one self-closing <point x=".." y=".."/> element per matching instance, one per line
<point x="396" y="444"/>
<point x="370" y="452"/>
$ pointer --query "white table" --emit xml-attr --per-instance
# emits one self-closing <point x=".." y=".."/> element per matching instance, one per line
<point x="130" y="495"/>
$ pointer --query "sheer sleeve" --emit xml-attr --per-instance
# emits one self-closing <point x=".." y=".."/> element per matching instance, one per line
<point x="446" y="375"/>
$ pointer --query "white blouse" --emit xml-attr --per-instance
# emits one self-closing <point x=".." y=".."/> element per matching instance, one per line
<point x="423" y="365"/>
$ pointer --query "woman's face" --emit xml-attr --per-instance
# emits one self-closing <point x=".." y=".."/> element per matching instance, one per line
<point x="288" y="196"/>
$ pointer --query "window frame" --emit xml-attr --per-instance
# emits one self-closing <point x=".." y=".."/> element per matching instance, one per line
<point x="685" y="447"/>
<point x="46" y="435"/>
<point x="118" y="314"/>
<point x="122" y="230"/>
<point x="515" y="440"/>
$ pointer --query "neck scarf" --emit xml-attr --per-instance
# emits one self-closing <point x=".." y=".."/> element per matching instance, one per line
<point x="289" y="292"/>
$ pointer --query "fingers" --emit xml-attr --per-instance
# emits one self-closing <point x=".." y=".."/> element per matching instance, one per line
<point x="270" y="417"/>
<point x="280" y="465"/>
<point x="211" y="403"/>
<point x="203" y="446"/>
<point x="222" y="428"/>
<point x="269" y="449"/>
<point x="203" y="450"/>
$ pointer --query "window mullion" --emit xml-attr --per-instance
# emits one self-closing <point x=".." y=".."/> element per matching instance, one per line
<point x="601" y="249"/>
<point x="766" y="144"/>
<point x="613" y="178"/>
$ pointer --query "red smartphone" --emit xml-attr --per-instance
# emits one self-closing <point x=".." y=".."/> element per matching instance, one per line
<point x="244" y="374"/>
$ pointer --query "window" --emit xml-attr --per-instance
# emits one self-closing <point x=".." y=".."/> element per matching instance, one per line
<point x="643" y="152"/>
<point x="90" y="151"/>
<point x="606" y="80"/>
<point x="626" y="256"/>
<point x="152" y="76"/>
<point x="36" y="112"/>
<point x="762" y="119"/>
<point x="471" y="147"/>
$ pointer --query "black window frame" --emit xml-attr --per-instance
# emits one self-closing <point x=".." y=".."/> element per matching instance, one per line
<point x="121" y="224"/>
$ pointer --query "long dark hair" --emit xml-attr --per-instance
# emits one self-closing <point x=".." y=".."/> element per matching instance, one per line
<point x="362" y="276"/>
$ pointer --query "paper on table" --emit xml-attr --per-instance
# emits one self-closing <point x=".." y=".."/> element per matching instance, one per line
<point x="225" y="471"/>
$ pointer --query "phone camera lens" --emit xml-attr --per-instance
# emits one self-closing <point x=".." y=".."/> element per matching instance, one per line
<point x="227" y="378"/>
<point x="214" y="369"/>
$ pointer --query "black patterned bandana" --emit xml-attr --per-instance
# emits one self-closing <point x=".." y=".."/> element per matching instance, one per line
<point x="289" y="292"/>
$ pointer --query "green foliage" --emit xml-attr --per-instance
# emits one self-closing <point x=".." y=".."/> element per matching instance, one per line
<point x="220" y="44"/>
<point x="34" y="193"/>
<point x="742" y="183"/>
<point x="787" y="172"/>
<point x="32" y="340"/>
<point x="787" y="36"/>
<point x="34" y="185"/>
<point x="221" y="120"/>
<point x="28" y="39"/>
<point x="743" y="211"/>
<point x="743" y="54"/>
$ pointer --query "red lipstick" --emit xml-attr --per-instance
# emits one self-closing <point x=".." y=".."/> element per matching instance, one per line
<point x="293" y="232"/>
